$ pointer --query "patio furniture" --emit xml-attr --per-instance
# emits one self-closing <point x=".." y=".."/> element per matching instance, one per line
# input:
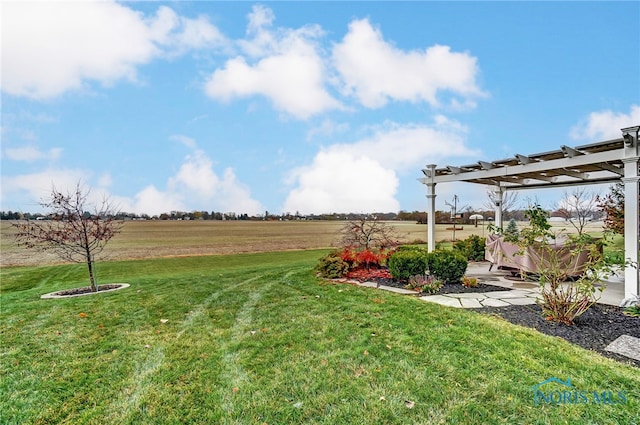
<point x="509" y="256"/>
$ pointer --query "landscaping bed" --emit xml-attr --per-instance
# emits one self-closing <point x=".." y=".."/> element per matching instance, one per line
<point x="594" y="330"/>
<point x="382" y="276"/>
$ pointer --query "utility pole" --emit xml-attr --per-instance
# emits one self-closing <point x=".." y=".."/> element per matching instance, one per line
<point x="454" y="211"/>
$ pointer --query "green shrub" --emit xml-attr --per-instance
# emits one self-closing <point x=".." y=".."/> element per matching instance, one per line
<point x="471" y="248"/>
<point x="447" y="266"/>
<point x="410" y="247"/>
<point x="407" y="262"/>
<point x="332" y="266"/>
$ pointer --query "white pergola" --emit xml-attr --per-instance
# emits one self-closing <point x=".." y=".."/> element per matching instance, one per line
<point x="609" y="161"/>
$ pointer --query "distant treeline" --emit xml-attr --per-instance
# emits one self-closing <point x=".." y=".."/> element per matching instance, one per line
<point x="416" y="216"/>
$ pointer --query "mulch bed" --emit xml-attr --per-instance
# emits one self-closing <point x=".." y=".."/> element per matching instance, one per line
<point x="594" y="330"/>
<point x="382" y="277"/>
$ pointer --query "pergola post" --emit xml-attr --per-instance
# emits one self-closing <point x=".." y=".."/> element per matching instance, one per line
<point x="431" y="206"/>
<point x="631" y="181"/>
<point x="498" y="191"/>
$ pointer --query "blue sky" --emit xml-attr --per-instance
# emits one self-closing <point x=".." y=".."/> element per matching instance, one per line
<point x="300" y="106"/>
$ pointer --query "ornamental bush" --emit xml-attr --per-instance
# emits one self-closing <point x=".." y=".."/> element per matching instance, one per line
<point x="471" y="248"/>
<point x="332" y="266"/>
<point x="371" y="259"/>
<point x="366" y="258"/>
<point x="447" y="266"/>
<point x="407" y="262"/>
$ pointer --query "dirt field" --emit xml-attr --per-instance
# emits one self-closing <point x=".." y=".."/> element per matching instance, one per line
<point x="151" y="239"/>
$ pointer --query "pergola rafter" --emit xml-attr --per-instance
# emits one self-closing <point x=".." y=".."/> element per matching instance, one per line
<point x="610" y="161"/>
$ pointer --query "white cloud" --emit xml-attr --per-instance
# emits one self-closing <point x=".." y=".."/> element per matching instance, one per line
<point x="50" y="48"/>
<point x="186" y="141"/>
<point x="262" y="41"/>
<point x="152" y="201"/>
<point x="363" y="176"/>
<point x="105" y="180"/>
<point x="327" y="129"/>
<point x="342" y="182"/>
<point x="288" y="69"/>
<point x="375" y="71"/>
<point x="195" y="186"/>
<point x="403" y="146"/>
<point x="36" y="187"/>
<point x="196" y="175"/>
<point x="32" y="154"/>
<point x="605" y="124"/>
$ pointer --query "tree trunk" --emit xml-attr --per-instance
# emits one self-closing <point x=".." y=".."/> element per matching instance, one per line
<point x="92" y="279"/>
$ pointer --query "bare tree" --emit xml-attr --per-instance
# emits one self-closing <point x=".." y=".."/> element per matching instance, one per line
<point x="73" y="233"/>
<point x="577" y="207"/>
<point x="368" y="232"/>
<point x="509" y="200"/>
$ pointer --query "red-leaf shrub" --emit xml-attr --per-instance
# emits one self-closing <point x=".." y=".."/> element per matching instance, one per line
<point x="368" y="259"/>
<point x="349" y="256"/>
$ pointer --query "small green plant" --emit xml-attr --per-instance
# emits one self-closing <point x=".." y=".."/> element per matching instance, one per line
<point x="447" y="266"/>
<point x="632" y="311"/>
<point x="470" y="282"/>
<point x="332" y="266"/>
<point x="471" y="248"/>
<point x="407" y="262"/>
<point x="512" y="233"/>
<point x="425" y="283"/>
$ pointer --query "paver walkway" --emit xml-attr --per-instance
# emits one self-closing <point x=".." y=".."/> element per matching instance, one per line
<point x="466" y="300"/>
<point x="484" y="299"/>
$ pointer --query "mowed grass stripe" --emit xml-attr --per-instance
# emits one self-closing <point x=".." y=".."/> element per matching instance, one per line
<point x="233" y="374"/>
<point x="140" y="382"/>
<point x="194" y="316"/>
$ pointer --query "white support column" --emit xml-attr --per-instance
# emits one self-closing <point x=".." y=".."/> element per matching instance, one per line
<point x="631" y="234"/>
<point x="431" y="217"/>
<point x="498" y="191"/>
<point x="631" y="182"/>
<point x="431" y="207"/>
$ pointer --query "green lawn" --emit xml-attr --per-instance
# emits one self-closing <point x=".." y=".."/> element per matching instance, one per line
<point x="256" y="338"/>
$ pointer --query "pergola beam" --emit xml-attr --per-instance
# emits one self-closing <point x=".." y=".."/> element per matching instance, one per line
<point x="534" y="167"/>
<point x="608" y="167"/>
<point x="604" y="180"/>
